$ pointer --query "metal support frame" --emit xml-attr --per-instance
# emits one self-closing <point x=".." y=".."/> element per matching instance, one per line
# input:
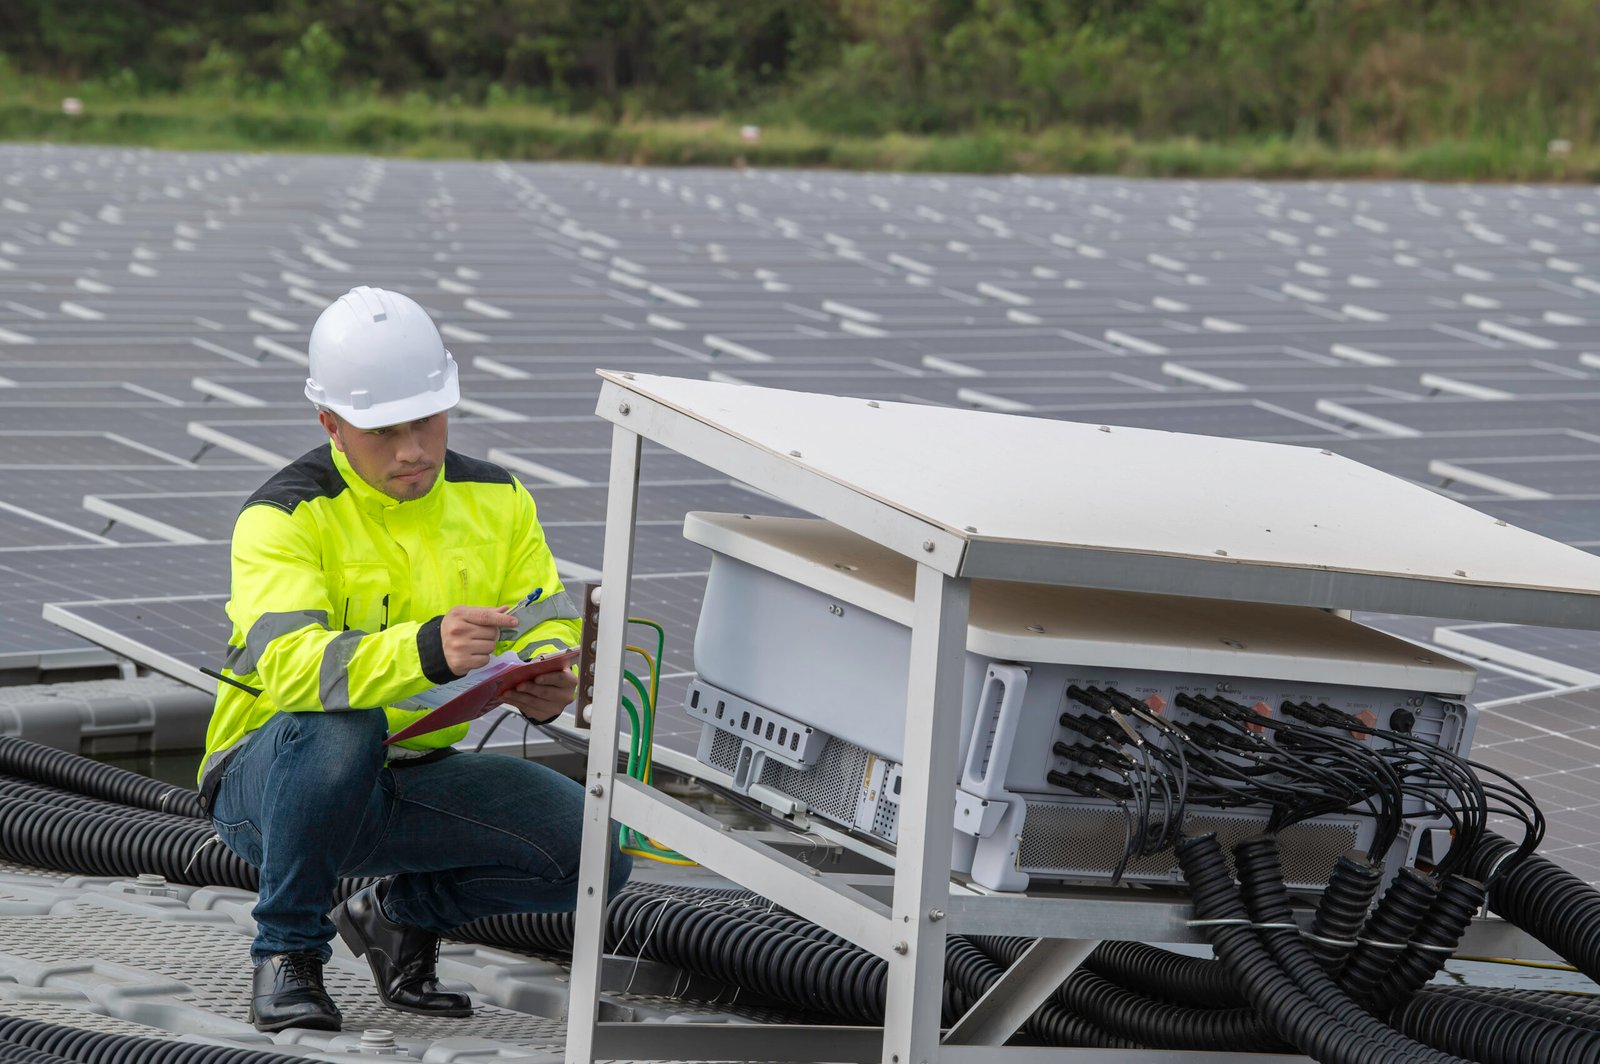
<point x="594" y="866"/>
<point x="922" y="870"/>
<point x="1018" y="993"/>
<point x="909" y="933"/>
<point x="909" y="929"/>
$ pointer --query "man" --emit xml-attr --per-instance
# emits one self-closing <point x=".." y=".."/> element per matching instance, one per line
<point x="365" y="572"/>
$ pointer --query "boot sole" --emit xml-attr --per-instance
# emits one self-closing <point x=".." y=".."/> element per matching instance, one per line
<point x="347" y="932"/>
<point x="332" y="1024"/>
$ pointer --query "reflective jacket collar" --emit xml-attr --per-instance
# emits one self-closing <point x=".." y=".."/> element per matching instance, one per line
<point x="375" y="502"/>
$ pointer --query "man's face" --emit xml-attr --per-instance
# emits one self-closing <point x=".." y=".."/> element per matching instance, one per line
<point x="402" y="461"/>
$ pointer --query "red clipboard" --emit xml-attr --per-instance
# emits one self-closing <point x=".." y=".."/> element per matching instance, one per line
<point x="484" y="695"/>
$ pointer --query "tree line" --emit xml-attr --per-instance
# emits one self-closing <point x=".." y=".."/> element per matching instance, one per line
<point x="1344" y="72"/>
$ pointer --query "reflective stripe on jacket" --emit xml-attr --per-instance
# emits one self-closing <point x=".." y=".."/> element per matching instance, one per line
<point x="338" y="590"/>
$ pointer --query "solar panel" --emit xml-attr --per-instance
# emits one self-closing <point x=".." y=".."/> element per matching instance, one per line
<point x="176" y="636"/>
<point x="177" y="517"/>
<point x="1230" y="308"/>
<point x="1551" y="745"/>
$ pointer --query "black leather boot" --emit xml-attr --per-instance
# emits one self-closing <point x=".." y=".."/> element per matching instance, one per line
<point x="287" y="991"/>
<point x="404" y="959"/>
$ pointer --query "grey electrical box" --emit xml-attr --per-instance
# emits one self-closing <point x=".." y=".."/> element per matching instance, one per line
<point x="802" y="657"/>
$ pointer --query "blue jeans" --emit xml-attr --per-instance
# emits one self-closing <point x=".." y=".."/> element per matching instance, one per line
<point x="308" y="799"/>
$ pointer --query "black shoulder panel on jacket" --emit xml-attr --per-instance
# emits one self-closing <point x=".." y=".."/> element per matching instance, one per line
<point x="459" y="469"/>
<point x="311" y="476"/>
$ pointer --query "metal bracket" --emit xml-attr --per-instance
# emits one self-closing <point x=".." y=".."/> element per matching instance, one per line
<point x="1018" y="993"/>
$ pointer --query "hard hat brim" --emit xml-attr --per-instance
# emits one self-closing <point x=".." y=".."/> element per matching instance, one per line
<point x="398" y="411"/>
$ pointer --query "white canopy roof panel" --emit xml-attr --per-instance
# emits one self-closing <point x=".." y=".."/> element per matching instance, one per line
<point x="1039" y="500"/>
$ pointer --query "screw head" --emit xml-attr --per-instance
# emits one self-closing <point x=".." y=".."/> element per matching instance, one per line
<point x="1461" y="572"/>
<point x="927" y="545"/>
<point x="1039" y="628"/>
<point x="1220" y="553"/>
<point x="624" y="409"/>
<point x="971" y="528"/>
<point x="935" y="915"/>
<point x="902" y="948"/>
<point x="597" y="789"/>
<point x="872" y="403"/>
<point x="1105" y="428"/>
<point x="794" y="454"/>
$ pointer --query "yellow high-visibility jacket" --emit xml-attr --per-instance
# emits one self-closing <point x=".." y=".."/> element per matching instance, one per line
<point x="339" y="590"/>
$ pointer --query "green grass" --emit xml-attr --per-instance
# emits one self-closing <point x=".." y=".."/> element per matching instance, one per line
<point x="421" y="129"/>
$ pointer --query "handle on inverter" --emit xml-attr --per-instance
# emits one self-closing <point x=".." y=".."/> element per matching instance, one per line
<point x="994" y="727"/>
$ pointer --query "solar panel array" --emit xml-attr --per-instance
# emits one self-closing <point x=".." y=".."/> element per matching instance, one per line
<point x="154" y="310"/>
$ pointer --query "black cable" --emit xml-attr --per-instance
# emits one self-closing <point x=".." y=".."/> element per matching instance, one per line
<point x="45" y="764"/>
<point x="1489" y="1032"/>
<point x="1452" y="771"/>
<point x="78" y="1046"/>
<point x="1435" y="939"/>
<point x="1267" y="902"/>
<point x="501" y="719"/>
<point x="1541" y="898"/>
<point x="1199" y="982"/>
<point x="1393" y="923"/>
<point x="1342" y="910"/>
<point x="1273" y="992"/>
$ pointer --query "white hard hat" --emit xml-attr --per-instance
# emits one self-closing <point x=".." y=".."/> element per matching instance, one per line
<point x="377" y="359"/>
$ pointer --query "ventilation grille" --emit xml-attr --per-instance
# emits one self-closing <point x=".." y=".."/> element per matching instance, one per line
<point x="886" y="820"/>
<point x="833" y="788"/>
<point x="1074" y="841"/>
<point x="724" y="749"/>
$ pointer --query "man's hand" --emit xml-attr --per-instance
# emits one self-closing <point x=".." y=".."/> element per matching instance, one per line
<point x="469" y="634"/>
<point x="544" y="697"/>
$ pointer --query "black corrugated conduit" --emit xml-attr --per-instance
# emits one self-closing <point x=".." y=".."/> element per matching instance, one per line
<point x="1267" y="902"/>
<point x="1203" y="982"/>
<point x="708" y="940"/>
<point x="46" y="826"/>
<point x="97" y="843"/>
<point x="1543" y="899"/>
<point x="1441" y="930"/>
<point x="1290" y="1011"/>
<point x="1493" y="1034"/>
<point x="77" y="1046"/>
<point x="1572" y="1002"/>
<point x="1392" y="924"/>
<point x="1199" y="982"/>
<point x="1572" y="1009"/>
<point x="47" y="794"/>
<point x="46" y="764"/>
<point x="1215" y="1018"/>
<point x="1343" y="909"/>
<point x="1006" y="950"/>
<point x="12" y="1053"/>
<point x="1162" y="1024"/>
<point x="79" y="817"/>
